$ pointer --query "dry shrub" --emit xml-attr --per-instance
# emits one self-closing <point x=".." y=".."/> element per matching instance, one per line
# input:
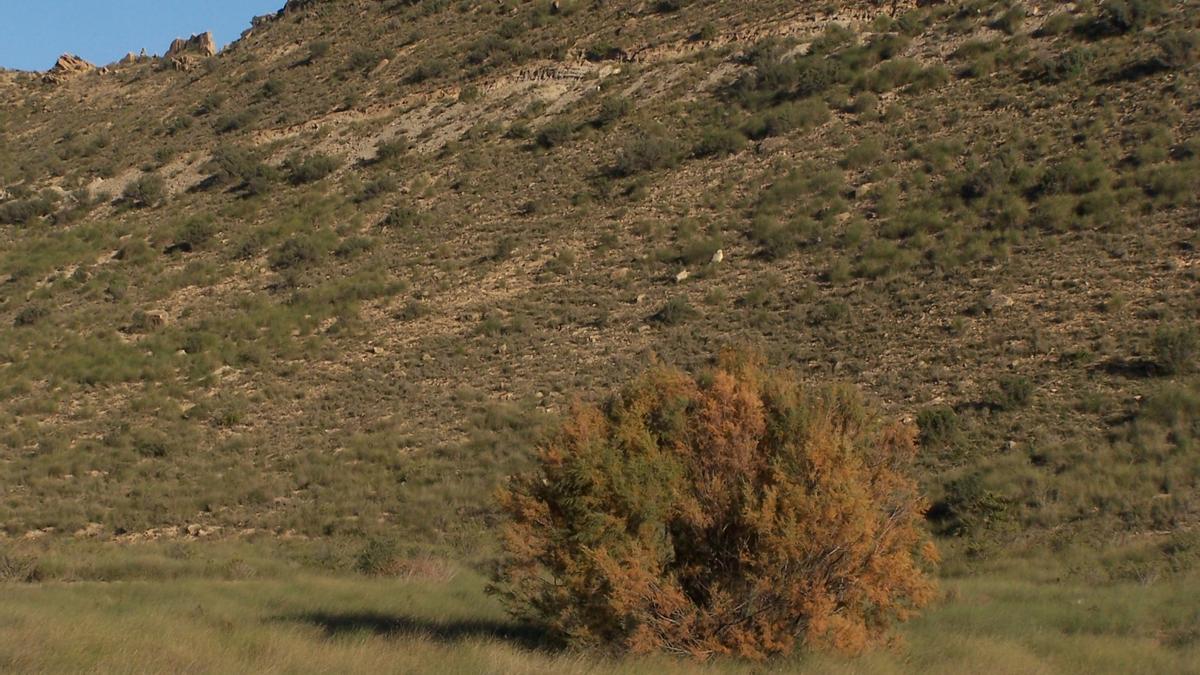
<point x="739" y="513"/>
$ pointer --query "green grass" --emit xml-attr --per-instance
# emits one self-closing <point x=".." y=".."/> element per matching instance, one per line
<point x="298" y="622"/>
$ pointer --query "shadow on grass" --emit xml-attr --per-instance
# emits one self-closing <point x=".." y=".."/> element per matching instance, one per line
<point x="337" y="624"/>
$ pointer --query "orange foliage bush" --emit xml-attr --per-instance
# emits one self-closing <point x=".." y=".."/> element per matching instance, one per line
<point x="739" y="513"/>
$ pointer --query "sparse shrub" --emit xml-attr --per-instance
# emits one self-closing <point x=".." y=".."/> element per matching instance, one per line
<point x="892" y="74"/>
<point x="648" y="150"/>
<point x="363" y="61"/>
<point x="866" y="152"/>
<point x="496" y="50"/>
<point x="241" y="168"/>
<point x="677" y="310"/>
<point x="968" y="505"/>
<point x="384" y="185"/>
<point x="310" y="169"/>
<point x="19" y="211"/>
<point x="300" y="251"/>
<point x="378" y="557"/>
<point x="555" y="133"/>
<point x="317" y="50"/>
<point x="233" y="122"/>
<point x="18" y="568"/>
<point x="1012" y="392"/>
<point x="212" y="102"/>
<point x="1010" y="21"/>
<point x="1122" y="16"/>
<point x="1177" y="349"/>
<point x="775" y="76"/>
<point x="739" y="512"/>
<point x="719" y="142"/>
<point x="402" y="218"/>
<point x="866" y="103"/>
<point x="353" y="246"/>
<point x="272" y="88"/>
<point x="1068" y="65"/>
<point x="391" y="150"/>
<point x="1178" y="49"/>
<point x="428" y="70"/>
<point x="1056" y="24"/>
<point x="800" y="115"/>
<point x="939" y="427"/>
<point x="612" y="109"/>
<point x="30" y="315"/>
<point x="195" y="231"/>
<point x="148" y="191"/>
<point x="414" y="309"/>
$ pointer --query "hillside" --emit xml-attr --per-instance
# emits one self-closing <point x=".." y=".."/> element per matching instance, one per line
<point x="330" y="284"/>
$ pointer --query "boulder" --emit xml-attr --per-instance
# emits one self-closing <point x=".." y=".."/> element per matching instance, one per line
<point x="67" y="67"/>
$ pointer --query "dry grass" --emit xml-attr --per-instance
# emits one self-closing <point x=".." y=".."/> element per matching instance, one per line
<point x="308" y="624"/>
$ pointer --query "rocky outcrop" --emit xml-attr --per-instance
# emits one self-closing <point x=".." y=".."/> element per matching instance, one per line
<point x="298" y="5"/>
<point x="187" y="54"/>
<point x="200" y="45"/>
<point x="67" y="67"/>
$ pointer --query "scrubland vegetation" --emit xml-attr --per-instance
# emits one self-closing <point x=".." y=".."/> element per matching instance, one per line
<point x="275" y="330"/>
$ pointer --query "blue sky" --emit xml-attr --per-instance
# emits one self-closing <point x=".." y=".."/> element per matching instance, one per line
<point x="33" y="33"/>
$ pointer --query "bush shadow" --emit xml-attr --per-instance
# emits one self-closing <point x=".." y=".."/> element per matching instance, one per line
<point x="336" y="624"/>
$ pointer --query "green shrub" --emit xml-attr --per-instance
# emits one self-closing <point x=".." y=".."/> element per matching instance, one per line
<point x="967" y="506"/>
<point x="195" y="231"/>
<point x="297" y="252"/>
<point x="739" y="512"/>
<point x="555" y="133"/>
<point x="317" y="50"/>
<point x="612" y="109"/>
<point x="784" y="118"/>
<point x="363" y="61"/>
<point x="403" y="218"/>
<point x="939" y="427"/>
<point x="1177" y="349"/>
<point x="20" y="211"/>
<point x="391" y="150"/>
<point x="1012" y="392"/>
<point x="310" y="169"/>
<point x="31" y="315"/>
<point x="648" y="150"/>
<point x="148" y="191"/>
<point x="233" y="122"/>
<point x="719" y="142"/>
<point x="428" y="70"/>
<point x="1010" y="22"/>
<point x="1178" y="49"/>
<point x="776" y="76"/>
<point x="865" y="153"/>
<point x="866" y="103"/>
<point x="240" y="168"/>
<point x="1123" y="16"/>
<point x="379" y="557"/>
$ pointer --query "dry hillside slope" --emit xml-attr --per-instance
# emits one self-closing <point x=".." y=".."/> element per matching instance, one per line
<point x="334" y="280"/>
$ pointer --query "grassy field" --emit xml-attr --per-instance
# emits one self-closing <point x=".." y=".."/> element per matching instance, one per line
<point x="294" y="623"/>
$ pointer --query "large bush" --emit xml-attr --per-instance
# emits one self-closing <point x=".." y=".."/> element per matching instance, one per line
<point x="736" y="513"/>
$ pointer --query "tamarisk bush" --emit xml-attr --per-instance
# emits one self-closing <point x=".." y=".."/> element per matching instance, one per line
<point x="741" y="512"/>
